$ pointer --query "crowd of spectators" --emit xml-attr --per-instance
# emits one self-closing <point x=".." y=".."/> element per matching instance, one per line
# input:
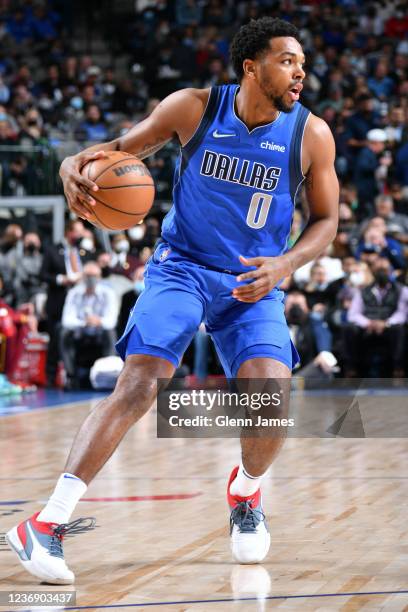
<point x="53" y="92"/>
<point x="76" y="291"/>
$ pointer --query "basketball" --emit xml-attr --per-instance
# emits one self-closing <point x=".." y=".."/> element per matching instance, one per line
<point x="126" y="190"/>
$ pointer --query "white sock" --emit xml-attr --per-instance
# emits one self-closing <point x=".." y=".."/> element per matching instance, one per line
<point x="244" y="484"/>
<point x="62" y="502"/>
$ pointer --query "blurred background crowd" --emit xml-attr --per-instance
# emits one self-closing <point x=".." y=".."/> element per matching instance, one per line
<point x="74" y="73"/>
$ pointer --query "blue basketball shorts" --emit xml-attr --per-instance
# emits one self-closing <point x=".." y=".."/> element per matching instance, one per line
<point x="179" y="294"/>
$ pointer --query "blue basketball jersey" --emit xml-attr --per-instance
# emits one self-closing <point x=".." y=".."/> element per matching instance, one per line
<point x="234" y="188"/>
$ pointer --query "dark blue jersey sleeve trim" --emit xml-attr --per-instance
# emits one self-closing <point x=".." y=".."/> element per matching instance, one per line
<point x="211" y="109"/>
<point x="295" y="155"/>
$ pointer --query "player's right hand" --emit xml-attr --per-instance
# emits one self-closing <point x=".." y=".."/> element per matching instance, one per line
<point x="77" y="188"/>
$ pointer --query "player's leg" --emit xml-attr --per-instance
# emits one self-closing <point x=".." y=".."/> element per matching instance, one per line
<point x="258" y="453"/>
<point x="253" y="342"/>
<point x="105" y="426"/>
<point x="250" y="538"/>
<point x="38" y="540"/>
<point x="159" y="330"/>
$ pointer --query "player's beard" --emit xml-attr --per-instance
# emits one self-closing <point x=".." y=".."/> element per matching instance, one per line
<point x="275" y="99"/>
<point x="281" y="105"/>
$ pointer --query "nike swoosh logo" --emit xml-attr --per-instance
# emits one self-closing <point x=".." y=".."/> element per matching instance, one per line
<point x="216" y="134"/>
<point x="71" y="477"/>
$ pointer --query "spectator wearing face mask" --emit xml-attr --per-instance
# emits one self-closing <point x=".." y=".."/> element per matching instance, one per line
<point x="144" y="235"/>
<point x="118" y="282"/>
<point x="339" y="294"/>
<point x="61" y="270"/>
<point x="11" y="249"/>
<point x="375" y="333"/>
<point x="87" y="245"/>
<point x="88" y="322"/>
<point x="32" y="128"/>
<point x="137" y="238"/>
<point x="316" y="289"/>
<point x="121" y="261"/>
<point x="27" y="279"/>
<point x="129" y="299"/>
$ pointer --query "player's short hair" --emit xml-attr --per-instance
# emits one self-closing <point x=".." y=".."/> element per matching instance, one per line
<point x="252" y="39"/>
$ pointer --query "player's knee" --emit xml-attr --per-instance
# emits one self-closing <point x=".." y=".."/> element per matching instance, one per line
<point x="136" y="395"/>
<point x="136" y="389"/>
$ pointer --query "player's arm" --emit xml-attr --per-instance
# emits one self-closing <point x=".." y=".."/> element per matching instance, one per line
<point x="176" y="116"/>
<point x="322" y="190"/>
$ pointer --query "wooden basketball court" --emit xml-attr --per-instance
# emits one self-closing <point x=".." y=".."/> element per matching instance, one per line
<point x="337" y="510"/>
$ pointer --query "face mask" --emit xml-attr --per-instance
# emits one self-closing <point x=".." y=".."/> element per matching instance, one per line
<point x="139" y="286"/>
<point x="77" y="103"/>
<point x="91" y="282"/>
<point x="357" y="279"/>
<point x="76" y="242"/>
<point x="296" y="314"/>
<point x="122" y="246"/>
<point x="369" y="247"/>
<point x="136" y="233"/>
<point x="45" y="104"/>
<point x="381" y="277"/>
<point x="321" y="286"/>
<point x="86" y="244"/>
<point x="31" y="248"/>
<point x="106" y="271"/>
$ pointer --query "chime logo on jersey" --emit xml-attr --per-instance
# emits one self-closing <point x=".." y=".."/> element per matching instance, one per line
<point x="241" y="171"/>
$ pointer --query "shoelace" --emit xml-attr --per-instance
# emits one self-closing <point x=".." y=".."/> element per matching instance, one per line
<point x="80" y="525"/>
<point x="246" y="517"/>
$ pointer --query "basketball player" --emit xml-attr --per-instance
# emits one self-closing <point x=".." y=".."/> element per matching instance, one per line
<point x="244" y="152"/>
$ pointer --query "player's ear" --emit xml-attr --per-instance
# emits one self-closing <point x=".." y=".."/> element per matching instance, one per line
<point x="249" y="68"/>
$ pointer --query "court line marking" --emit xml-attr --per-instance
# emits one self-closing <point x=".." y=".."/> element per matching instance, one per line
<point x="227" y="600"/>
<point x="211" y="478"/>
<point x="36" y="410"/>
<point x="132" y="498"/>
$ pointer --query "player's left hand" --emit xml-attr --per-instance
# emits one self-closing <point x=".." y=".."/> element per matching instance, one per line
<point x="269" y="271"/>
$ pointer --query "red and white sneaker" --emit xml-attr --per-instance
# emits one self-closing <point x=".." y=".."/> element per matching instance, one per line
<point x="250" y="537"/>
<point x="39" y="547"/>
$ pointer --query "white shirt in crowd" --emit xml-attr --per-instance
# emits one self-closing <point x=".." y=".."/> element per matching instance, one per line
<point x="332" y="265"/>
<point x="79" y="304"/>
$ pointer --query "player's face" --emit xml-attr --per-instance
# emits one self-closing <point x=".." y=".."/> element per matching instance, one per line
<point x="280" y="73"/>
